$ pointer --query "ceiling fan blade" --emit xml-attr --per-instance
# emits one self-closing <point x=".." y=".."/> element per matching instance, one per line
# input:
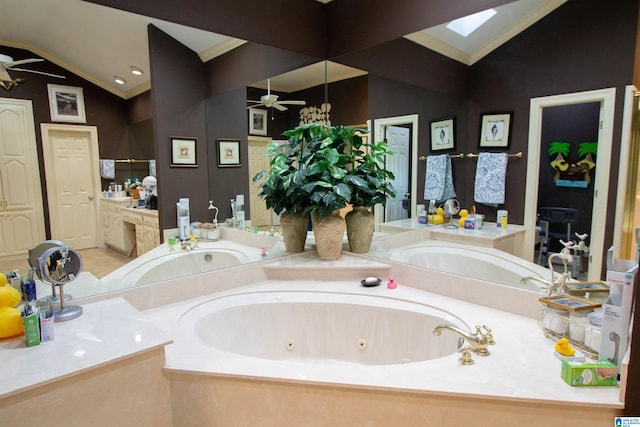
<point x="293" y="102"/>
<point x="23" y="61"/>
<point x="277" y="106"/>
<point x="255" y="102"/>
<point x="39" y="72"/>
<point x="255" y="105"/>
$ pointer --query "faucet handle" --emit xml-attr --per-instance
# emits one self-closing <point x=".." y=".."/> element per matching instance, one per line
<point x="465" y="358"/>
<point x="489" y="335"/>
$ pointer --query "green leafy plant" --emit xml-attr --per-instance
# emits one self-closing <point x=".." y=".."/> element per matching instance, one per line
<point x="370" y="182"/>
<point x="324" y="168"/>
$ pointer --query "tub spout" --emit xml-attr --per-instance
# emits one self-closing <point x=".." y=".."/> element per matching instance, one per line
<point x="478" y="340"/>
<point x="526" y="279"/>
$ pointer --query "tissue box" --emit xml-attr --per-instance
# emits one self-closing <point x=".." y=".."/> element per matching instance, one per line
<point x="602" y="373"/>
<point x="470" y="223"/>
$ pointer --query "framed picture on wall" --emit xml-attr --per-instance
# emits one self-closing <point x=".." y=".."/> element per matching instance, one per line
<point x="228" y="153"/>
<point x="443" y="134"/>
<point x="257" y="121"/>
<point x="495" y="130"/>
<point x="66" y="104"/>
<point x="183" y="152"/>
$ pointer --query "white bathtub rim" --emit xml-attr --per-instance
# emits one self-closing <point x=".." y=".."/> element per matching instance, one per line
<point x="114" y="281"/>
<point x="402" y="253"/>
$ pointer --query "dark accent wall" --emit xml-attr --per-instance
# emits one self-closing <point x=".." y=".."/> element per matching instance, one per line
<point x="389" y="98"/>
<point x="294" y="25"/>
<point x="348" y="98"/>
<point x="178" y="88"/>
<point x="580" y="46"/>
<point x="404" y="61"/>
<point x="227" y="117"/>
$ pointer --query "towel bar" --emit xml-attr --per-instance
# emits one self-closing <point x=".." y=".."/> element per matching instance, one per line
<point x="518" y="155"/>
<point x="452" y="156"/>
<point x="131" y="161"/>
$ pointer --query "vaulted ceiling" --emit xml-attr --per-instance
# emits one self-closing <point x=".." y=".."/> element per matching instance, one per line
<point x="98" y="42"/>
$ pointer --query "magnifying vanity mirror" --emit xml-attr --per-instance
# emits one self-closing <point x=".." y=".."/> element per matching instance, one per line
<point x="57" y="264"/>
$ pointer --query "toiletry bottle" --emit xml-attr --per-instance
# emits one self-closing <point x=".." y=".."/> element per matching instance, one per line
<point x="30" y="287"/>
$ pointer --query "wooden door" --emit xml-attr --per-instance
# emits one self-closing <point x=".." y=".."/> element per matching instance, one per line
<point x="73" y="183"/>
<point x="399" y="143"/>
<point x="21" y="209"/>
<point x="257" y="162"/>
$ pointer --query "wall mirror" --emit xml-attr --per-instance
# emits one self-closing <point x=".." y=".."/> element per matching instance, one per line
<point x="389" y="96"/>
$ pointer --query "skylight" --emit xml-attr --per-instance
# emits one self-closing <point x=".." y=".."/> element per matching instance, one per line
<point x="468" y="24"/>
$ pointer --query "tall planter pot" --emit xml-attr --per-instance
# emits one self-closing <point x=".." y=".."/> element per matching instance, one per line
<point x="294" y="230"/>
<point x="360" y="222"/>
<point x="329" y="232"/>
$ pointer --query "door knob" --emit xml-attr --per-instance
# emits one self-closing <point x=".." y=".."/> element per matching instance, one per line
<point x="91" y="197"/>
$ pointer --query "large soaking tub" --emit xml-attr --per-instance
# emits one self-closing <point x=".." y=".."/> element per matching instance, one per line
<point x="326" y="327"/>
<point x="476" y="262"/>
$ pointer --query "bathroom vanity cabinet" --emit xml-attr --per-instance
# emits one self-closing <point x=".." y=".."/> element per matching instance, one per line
<point x="129" y="229"/>
<point x="116" y="236"/>
<point x="146" y="228"/>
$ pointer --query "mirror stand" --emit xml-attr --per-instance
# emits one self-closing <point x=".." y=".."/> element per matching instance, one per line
<point x="57" y="264"/>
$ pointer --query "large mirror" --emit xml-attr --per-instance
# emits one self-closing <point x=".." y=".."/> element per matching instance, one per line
<point x="406" y="79"/>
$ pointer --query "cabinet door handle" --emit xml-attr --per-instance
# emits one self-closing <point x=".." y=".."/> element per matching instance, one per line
<point x="91" y="197"/>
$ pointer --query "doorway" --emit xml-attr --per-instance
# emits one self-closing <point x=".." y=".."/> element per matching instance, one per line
<point x="258" y="161"/>
<point x="399" y="142"/>
<point x="606" y="100"/>
<point x="408" y="166"/>
<point x="70" y="162"/>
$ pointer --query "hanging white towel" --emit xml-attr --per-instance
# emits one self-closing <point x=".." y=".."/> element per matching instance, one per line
<point x="491" y="174"/>
<point x="108" y="168"/>
<point x="152" y="167"/>
<point x="438" y="183"/>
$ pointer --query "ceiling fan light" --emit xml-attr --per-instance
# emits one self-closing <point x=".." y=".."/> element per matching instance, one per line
<point x="136" y="71"/>
<point x="119" y="80"/>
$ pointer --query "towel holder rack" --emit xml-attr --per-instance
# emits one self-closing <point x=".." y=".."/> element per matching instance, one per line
<point x="518" y="155"/>
<point x="451" y="156"/>
<point x="132" y="161"/>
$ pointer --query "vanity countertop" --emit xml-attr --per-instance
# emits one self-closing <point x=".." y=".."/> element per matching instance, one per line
<point x="106" y="331"/>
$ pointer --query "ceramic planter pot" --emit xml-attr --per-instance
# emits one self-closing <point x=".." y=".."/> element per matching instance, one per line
<point x="294" y="230"/>
<point x="360" y="222"/>
<point x="329" y="232"/>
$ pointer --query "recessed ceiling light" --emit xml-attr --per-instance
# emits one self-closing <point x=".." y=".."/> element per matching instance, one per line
<point x="119" y="80"/>
<point x="137" y="71"/>
<point x="468" y="24"/>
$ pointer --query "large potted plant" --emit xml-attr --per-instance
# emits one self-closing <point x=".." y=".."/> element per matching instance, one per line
<point x="370" y="184"/>
<point x="280" y="190"/>
<point x="323" y="164"/>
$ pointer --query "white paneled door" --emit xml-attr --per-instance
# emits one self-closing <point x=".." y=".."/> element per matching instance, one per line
<point x="398" y="140"/>
<point x="21" y="209"/>
<point x="73" y="183"/>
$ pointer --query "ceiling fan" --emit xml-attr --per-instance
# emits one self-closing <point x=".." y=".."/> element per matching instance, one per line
<point x="8" y="64"/>
<point x="271" y="100"/>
